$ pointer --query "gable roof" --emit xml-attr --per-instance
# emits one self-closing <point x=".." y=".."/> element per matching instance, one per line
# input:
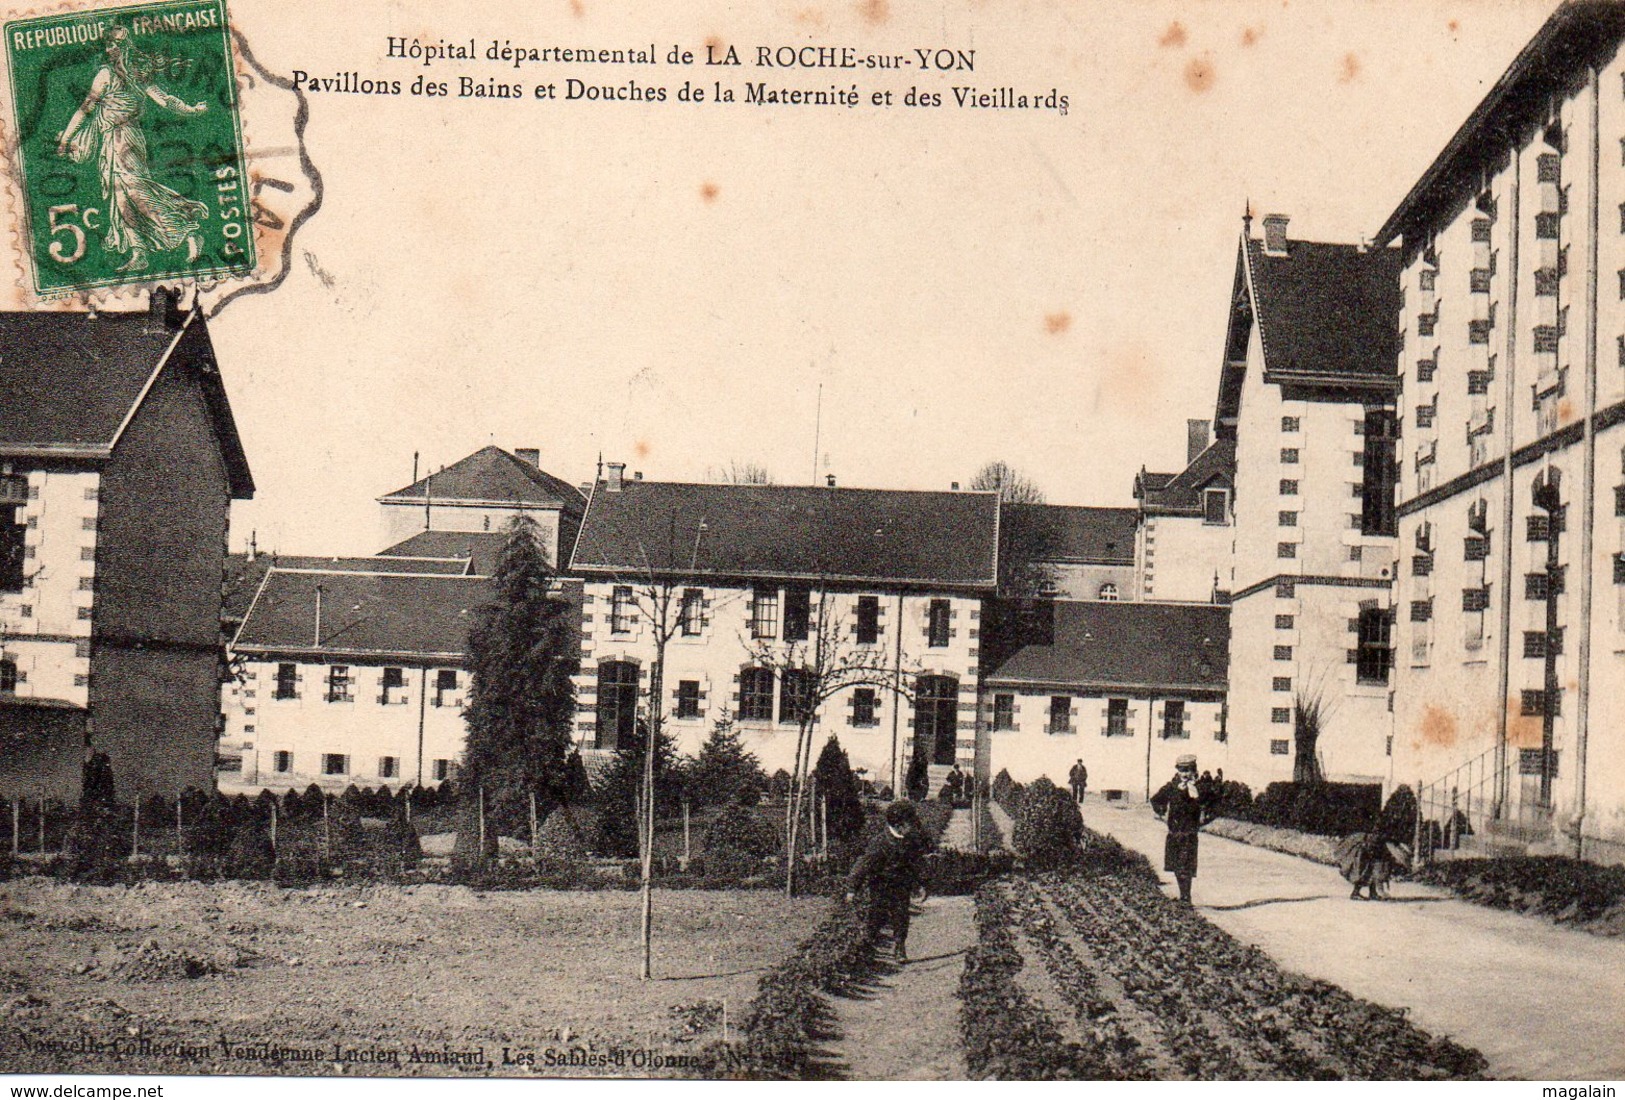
<point x="1067" y="534"/>
<point x="1087" y="644"/>
<point x="805" y="532"/>
<point x="491" y="476"/>
<point x="1182" y="493"/>
<point x="479" y="548"/>
<point x="363" y="615"/>
<point x="1326" y="313"/>
<point x="1577" y="35"/>
<point x="244" y="574"/>
<point x="73" y="380"/>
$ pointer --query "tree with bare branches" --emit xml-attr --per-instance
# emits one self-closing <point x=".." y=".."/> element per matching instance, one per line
<point x="1013" y="486"/>
<point x="740" y="473"/>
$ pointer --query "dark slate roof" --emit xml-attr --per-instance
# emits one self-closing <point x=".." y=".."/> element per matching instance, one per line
<point x="493" y="476"/>
<point x="872" y="535"/>
<point x="1327" y="313"/>
<point x="480" y="548"/>
<point x="70" y="381"/>
<point x="1063" y="533"/>
<point x="1086" y="644"/>
<point x="373" y="616"/>
<point x="1215" y="467"/>
<point x="243" y="575"/>
<point x="1577" y="35"/>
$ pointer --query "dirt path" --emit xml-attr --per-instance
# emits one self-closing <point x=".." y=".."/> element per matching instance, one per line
<point x="1540" y="1002"/>
<point x="961" y="831"/>
<point x="905" y="1027"/>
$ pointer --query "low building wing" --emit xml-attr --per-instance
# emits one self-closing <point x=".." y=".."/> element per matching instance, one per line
<point x="1088" y="646"/>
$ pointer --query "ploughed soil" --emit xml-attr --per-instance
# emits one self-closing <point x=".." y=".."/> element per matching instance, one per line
<point x="253" y="978"/>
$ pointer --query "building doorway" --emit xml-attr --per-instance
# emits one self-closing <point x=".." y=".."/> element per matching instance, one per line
<point x="936" y="716"/>
<point x="617" y="703"/>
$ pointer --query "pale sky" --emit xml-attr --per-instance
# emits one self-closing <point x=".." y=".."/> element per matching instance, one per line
<point x="670" y="284"/>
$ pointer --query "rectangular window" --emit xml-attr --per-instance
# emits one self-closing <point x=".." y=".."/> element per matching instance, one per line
<point x="688" y="698"/>
<point x="1545" y="338"/>
<point x="287" y="682"/>
<point x="394" y="680"/>
<point x="1289" y="455"/>
<point x="1619" y="500"/>
<point x="691" y="612"/>
<point x="335" y="763"/>
<point x="1286" y="590"/>
<point x="1424" y="416"/>
<point x="1281" y="683"/>
<point x="1539" y="528"/>
<point x="1289" y="487"/>
<point x="1117" y="718"/>
<point x="1421" y="611"/>
<point x="796" y="695"/>
<point x="937" y="629"/>
<point x="1546" y="282"/>
<point x="1546" y="225"/>
<point x="1173" y="719"/>
<point x="1535" y="586"/>
<point x="1290" y="424"/>
<point x="1377" y="491"/>
<point x="1004" y="712"/>
<point x="1356" y="553"/>
<point x="445" y="683"/>
<point x="1287" y="519"/>
<point x="388" y="767"/>
<point x="1281" y="715"/>
<point x="1285" y="622"/>
<point x="1428" y="278"/>
<point x="1426" y="323"/>
<point x="1476" y="547"/>
<point x="756" y="695"/>
<point x="1283" y="653"/>
<point x="868" y="627"/>
<point x="797" y="613"/>
<point x="1376" y="653"/>
<point x="1533" y="702"/>
<point x="338" y="684"/>
<point x="282" y="761"/>
<point x="1286" y="549"/>
<point x="621" y="610"/>
<point x="1425" y="369"/>
<point x="442" y="770"/>
<point x="1475" y="599"/>
<point x="1060" y="714"/>
<point x="1534" y="643"/>
<point x="764" y="612"/>
<point x="1478" y="382"/>
<point x="1481" y="230"/>
<point x="1478" y="280"/>
<point x="1279" y="746"/>
<point x="1547" y="168"/>
<point x="1529" y="762"/>
<point x="864" y="703"/>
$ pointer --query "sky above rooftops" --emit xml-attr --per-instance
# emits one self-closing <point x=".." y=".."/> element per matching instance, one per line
<point x="670" y="287"/>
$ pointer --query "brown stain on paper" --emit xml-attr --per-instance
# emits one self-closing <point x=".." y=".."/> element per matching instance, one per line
<point x="709" y="191"/>
<point x="1200" y="74"/>
<point x="874" y="12"/>
<point x="1438" y="727"/>
<point x="1349" y="70"/>
<point x="1057" y="323"/>
<point x="1174" y="36"/>
<point x="1251" y="35"/>
<point x="641" y="448"/>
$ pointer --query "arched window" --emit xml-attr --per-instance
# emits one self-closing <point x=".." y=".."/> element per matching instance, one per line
<point x="756" y="695"/>
<point x="8" y="677"/>
<point x="1108" y="591"/>
<point x="617" y="703"/>
<point x="936" y="716"/>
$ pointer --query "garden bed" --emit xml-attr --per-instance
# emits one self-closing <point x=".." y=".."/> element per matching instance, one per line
<point x="1582" y="895"/>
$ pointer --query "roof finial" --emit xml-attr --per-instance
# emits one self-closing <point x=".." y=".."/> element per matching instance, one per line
<point x="1247" y="218"/>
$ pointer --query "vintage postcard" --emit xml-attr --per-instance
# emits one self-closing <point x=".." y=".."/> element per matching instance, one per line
<point x="866" y="540"/>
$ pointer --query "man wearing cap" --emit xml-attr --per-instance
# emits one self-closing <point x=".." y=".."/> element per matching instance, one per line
<point x="1187" y="805"/>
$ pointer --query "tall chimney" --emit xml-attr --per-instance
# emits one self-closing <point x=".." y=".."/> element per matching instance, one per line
<point x="829" y="479"/>
<point x="1196" y="439"/>
<point x="1275" y="234"/>
<point x="617" y="475"/>
<point x="531" y="456"/>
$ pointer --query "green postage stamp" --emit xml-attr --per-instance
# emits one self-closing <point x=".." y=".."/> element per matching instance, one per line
<point x="129" y="146"/>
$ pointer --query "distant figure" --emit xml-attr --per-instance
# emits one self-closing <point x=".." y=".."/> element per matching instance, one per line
<point x="1187" y="804"/>
<point x="888" y="871"/>
<point x="97" y="785"/>
<point x="954" y="784"/>
<point x="1368" y="861"/>
<point x="1079" y="778"/>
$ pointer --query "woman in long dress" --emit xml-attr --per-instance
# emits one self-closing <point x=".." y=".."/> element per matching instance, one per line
<point x="143" y="216"/>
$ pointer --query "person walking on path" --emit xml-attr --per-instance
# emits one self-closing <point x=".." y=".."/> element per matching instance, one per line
<point x="887" y="873"/>
<point x="1186" y="804"/>
<point x="1079" y="778"/>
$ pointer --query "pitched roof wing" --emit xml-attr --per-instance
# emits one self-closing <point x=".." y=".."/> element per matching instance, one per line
<point x="492" y="475"/>
<point x="1099" y="644"/>
<point x="363" y="614"/>
<point x="876" y="535"/>
<point x="243" y="575"/>
<point x="479" y="548"/>
<point x="1327" y="312"/>
<point x="1216" y="465"/>
<point x="1064" y="533"/>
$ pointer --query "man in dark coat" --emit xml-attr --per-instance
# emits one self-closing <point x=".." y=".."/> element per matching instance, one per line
<point x="1186" y="804"/>
<point x="1079" y="778"/>
<point x="887" y="873"/>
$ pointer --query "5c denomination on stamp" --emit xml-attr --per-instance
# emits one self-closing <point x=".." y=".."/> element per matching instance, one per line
<point x="129" y="146"/>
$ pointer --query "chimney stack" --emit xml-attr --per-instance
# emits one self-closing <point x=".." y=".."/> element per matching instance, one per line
<point x="956" y="486"/>
<point x="829" y="479"/>
<point x="637" y="475"/>
<point x="1275" y="234"/>
<point x="531" y="456"/>
<point x="617" y="476"/>
<point x="164" y="308"/>
<point x="1196" y="439"/>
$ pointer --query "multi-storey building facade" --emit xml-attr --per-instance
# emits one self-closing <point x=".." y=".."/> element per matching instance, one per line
<point x="118" y="463"/>
<point x="765" y="593"/>
<point x="1067" y="552"/>
<point x="1306" y="400"/>
<point x="1185" y="535"/>
<point x="1126" y="688"/>
<point x="1512" y="631"/>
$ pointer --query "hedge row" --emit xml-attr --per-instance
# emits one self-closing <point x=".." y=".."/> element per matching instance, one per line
<point x="1565" y="890"/>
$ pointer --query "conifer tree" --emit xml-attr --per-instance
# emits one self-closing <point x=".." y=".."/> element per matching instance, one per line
<point x="724" y="768"/>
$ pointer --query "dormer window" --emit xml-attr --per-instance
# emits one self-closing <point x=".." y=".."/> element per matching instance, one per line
<point x="1215" y="506"/>
<point x="1108" y="592"/>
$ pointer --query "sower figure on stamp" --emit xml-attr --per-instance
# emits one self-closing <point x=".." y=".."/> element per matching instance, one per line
<point x="887" y="872"/>
<point x="1079" y="778"/>
<point x="1186" y="804"/>
<point x="143" y="216"/>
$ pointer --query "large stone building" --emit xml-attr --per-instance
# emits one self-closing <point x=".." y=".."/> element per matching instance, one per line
<point x="119" y="460"/>
<point x="1510" y="685"/>
<point x="1185" y="526"/>
<point x="1306" y="400"/>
